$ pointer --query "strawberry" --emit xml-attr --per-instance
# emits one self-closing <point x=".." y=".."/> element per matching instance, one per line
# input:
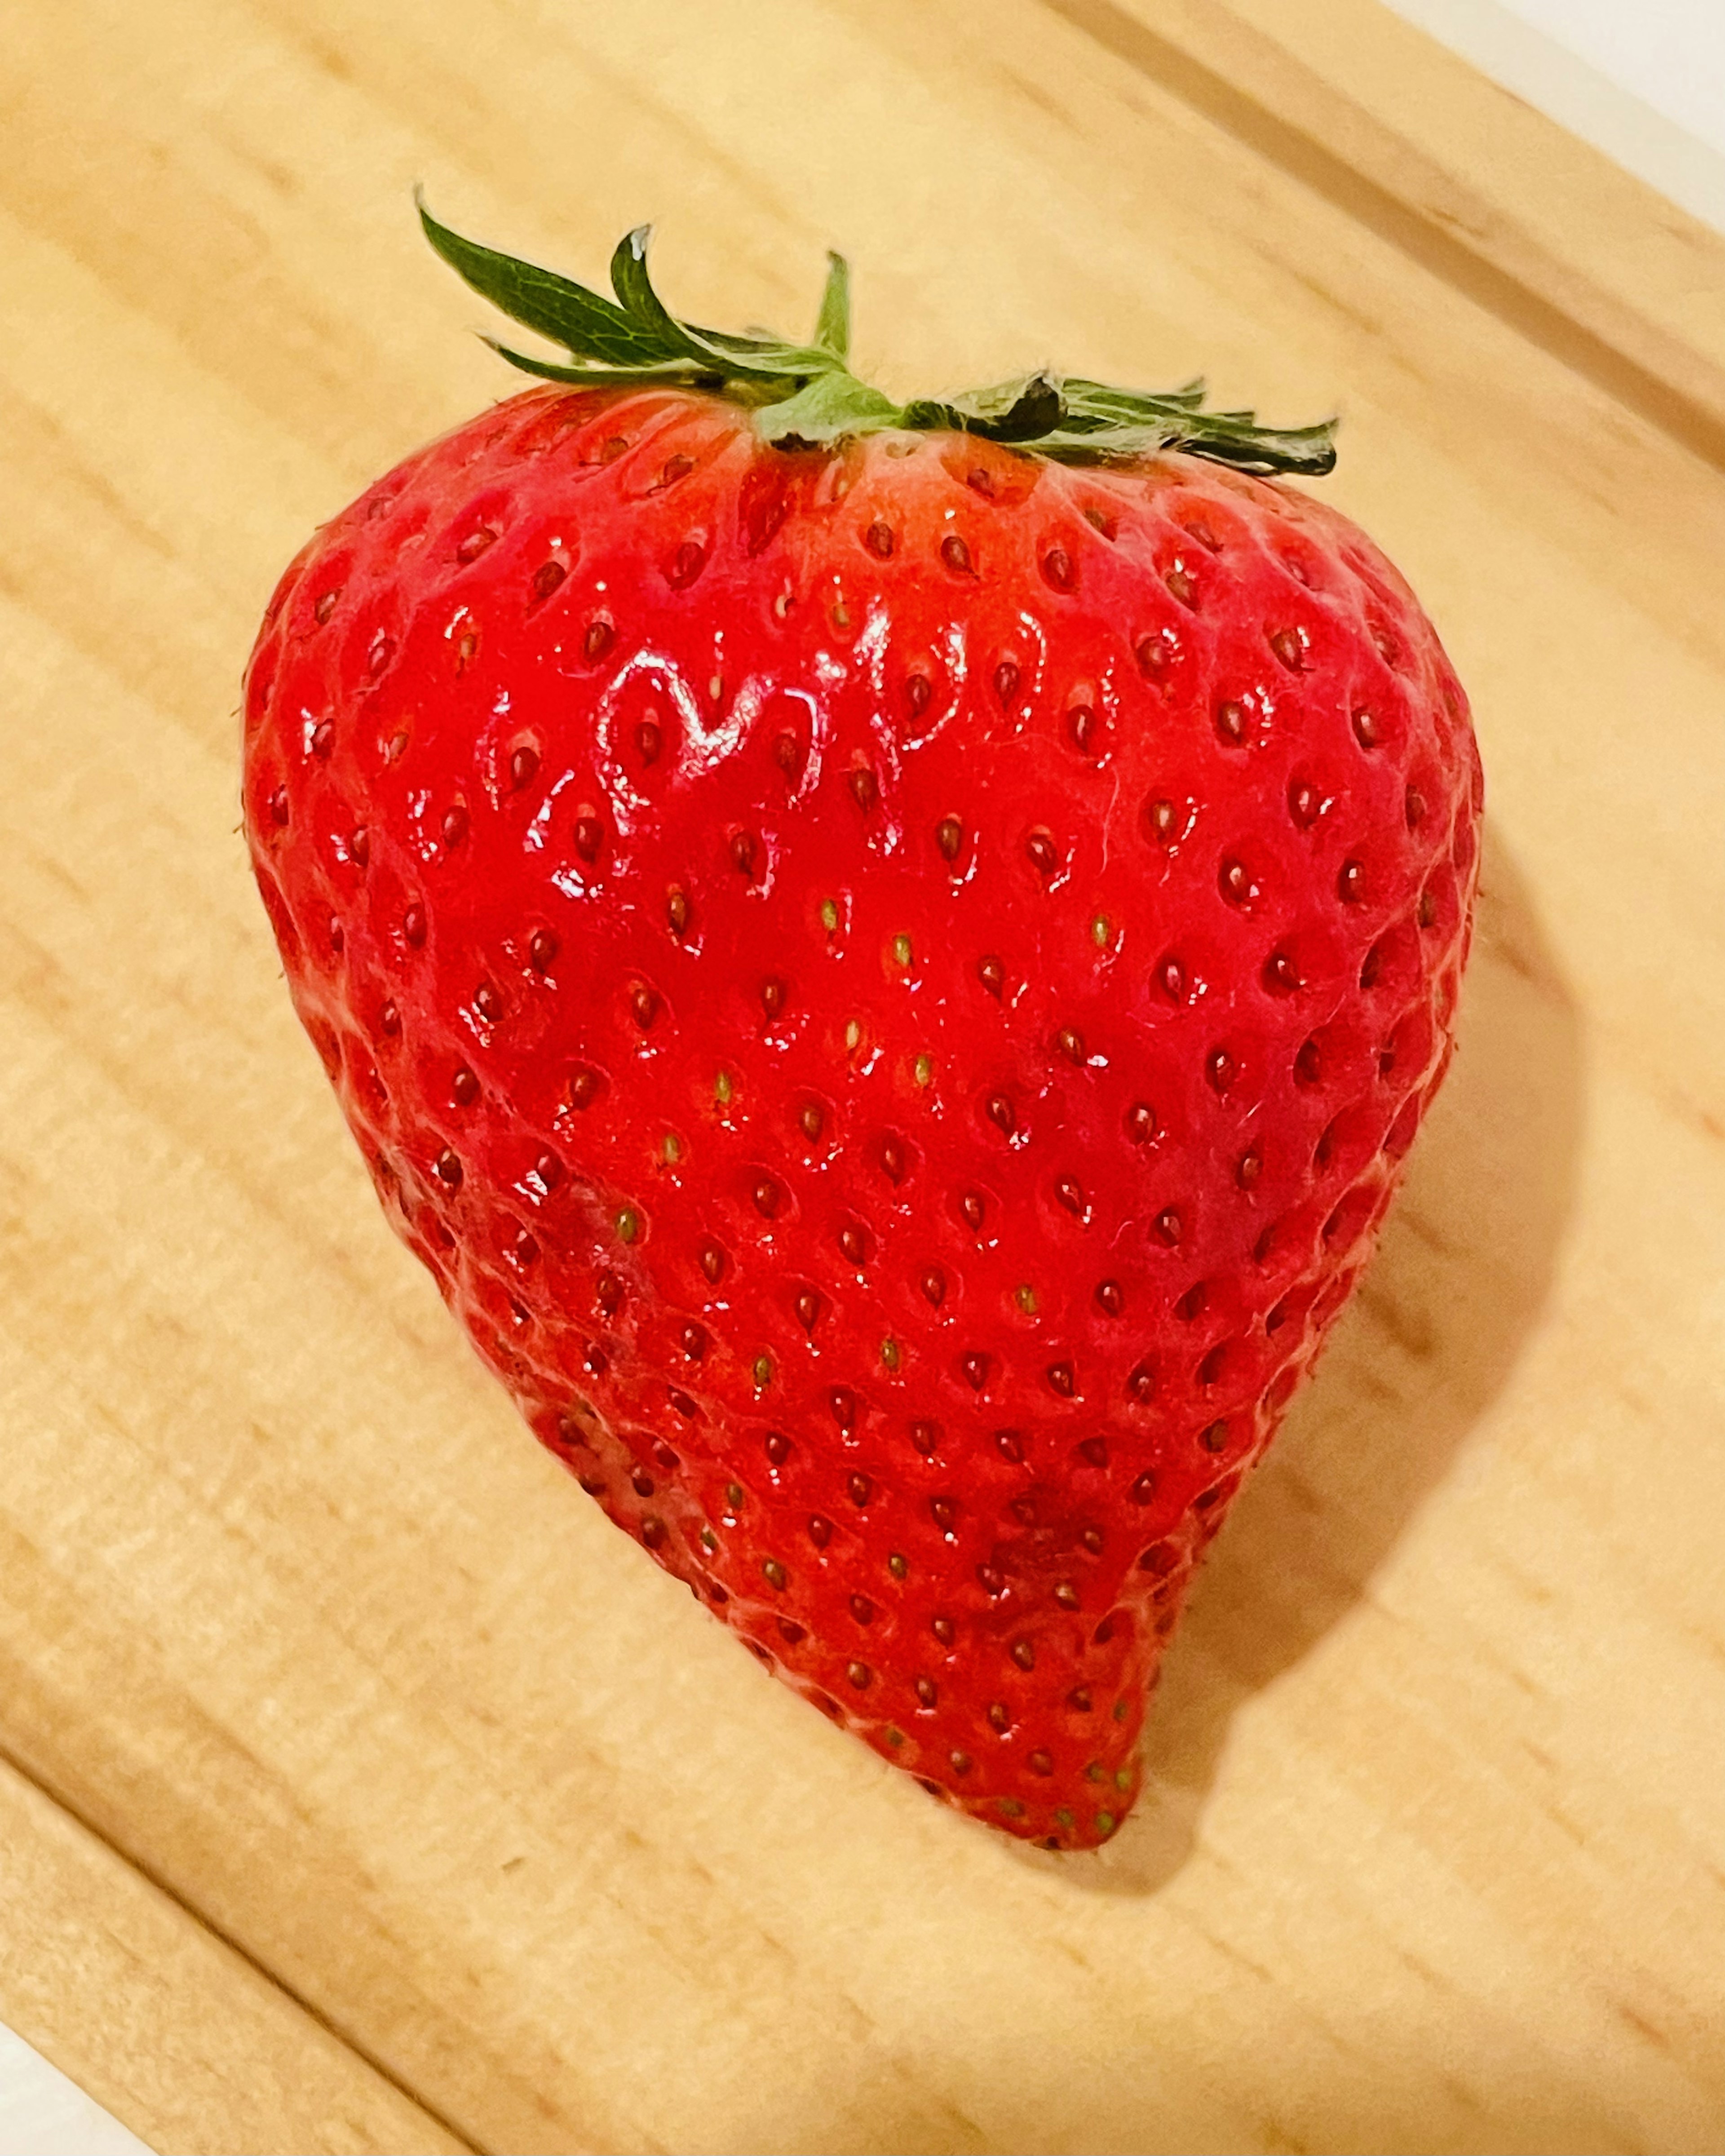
<point x="888" y="959"/>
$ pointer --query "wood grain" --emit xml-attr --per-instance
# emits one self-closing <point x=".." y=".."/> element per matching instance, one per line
<point x="294" y="1618"/>
<point x="1460" y="176"/>
<point x="129" y="1995"/>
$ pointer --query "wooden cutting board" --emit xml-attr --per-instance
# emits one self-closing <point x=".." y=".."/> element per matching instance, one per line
<point x="360" y="1788"/>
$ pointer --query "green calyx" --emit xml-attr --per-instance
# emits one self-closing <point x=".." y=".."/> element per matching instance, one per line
<point x="804" y="395"/>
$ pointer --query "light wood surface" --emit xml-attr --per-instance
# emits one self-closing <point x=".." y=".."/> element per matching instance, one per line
<point x="135" y="1999"/>
<point x="415" y="1783"/>
<point x="1462" y="176"/>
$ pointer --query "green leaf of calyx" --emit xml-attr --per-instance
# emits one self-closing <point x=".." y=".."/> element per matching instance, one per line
<point x="1021" y="411"/>
<point x="643" y="305"/>
<point x="806" y="393"/>
<point x="739" y="358"/>
<point x="832" y="325"/>
<point x="587" y="326"/>
<point x="1123" y="422"/>
<point x="669" y="370"/>
<point x="826" y="409"/>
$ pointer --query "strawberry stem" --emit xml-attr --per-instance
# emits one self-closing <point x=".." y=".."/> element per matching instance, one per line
<point x="806" y="394"/>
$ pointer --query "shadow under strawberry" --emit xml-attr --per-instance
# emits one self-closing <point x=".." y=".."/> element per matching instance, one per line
<point x="1432" y="1337"/>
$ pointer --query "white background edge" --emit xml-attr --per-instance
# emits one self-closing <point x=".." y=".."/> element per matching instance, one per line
<point x="42" y="2113"/>
<point x="1680" y="68"/>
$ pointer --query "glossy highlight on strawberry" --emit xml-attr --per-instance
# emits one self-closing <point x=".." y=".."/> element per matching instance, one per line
<point x="888" y="974"/>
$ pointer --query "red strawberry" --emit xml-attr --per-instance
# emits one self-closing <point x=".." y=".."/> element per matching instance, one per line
<point x="887" y="961"/>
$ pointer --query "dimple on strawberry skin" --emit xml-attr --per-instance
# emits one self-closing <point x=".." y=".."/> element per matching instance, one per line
<point x="888" y="959"/>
